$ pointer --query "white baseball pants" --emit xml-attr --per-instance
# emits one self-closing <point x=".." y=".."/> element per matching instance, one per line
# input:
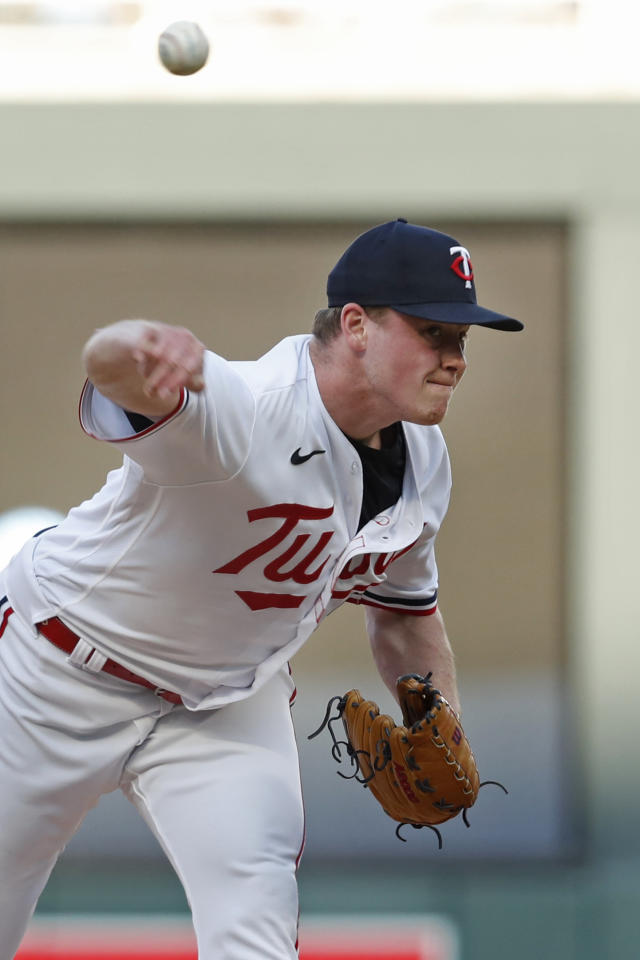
<point x="220" y="790"/>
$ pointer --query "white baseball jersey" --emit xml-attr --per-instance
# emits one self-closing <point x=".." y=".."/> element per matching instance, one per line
<point x="230" y="531"/>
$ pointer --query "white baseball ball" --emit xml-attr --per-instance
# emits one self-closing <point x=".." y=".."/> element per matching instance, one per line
<point x="183" y="47"/>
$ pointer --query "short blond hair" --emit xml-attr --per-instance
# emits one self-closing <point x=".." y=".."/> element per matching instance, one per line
<point x="326" y="323"/>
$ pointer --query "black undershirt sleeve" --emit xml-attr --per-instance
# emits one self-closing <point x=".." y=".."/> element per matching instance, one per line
<point x="138" y="421"/>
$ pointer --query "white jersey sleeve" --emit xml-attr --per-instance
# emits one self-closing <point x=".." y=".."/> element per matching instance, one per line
<point x="412" y="582"/>
<point x="206" y="438"/>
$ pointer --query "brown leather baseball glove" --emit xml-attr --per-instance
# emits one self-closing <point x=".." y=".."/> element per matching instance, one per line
<point x="423" y="772"/>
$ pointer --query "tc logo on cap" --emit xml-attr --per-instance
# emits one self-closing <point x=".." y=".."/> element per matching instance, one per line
<point x="462" y="266"/>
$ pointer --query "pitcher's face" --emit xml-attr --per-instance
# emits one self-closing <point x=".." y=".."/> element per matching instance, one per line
<point x="414" y="365"/>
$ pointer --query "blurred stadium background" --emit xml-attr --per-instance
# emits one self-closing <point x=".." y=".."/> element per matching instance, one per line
<point x="220" y="202"/>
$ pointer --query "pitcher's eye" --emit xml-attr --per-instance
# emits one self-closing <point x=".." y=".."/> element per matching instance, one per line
<point x="434" y="331"/>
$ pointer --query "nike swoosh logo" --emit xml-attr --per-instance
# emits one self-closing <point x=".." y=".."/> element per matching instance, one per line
<point x="297" y="457"/>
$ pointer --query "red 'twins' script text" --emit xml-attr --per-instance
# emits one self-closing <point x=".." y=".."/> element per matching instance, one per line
<point x="299" y="562"/>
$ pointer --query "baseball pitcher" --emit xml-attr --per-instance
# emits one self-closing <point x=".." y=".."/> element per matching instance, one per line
<point x="145" y="640"/>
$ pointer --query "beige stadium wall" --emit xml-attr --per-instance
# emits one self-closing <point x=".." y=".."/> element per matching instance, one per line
<point x="550" y="196"/>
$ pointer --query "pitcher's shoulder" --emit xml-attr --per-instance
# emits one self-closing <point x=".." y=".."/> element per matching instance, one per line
<point x="281" y="367"/>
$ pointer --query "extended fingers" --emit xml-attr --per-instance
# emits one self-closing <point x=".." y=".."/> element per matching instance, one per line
<point x="169" y="358"/>
<point x="165" y="377"/>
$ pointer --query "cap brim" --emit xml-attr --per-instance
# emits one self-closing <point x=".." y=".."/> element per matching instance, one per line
<point x="459" y="312"/>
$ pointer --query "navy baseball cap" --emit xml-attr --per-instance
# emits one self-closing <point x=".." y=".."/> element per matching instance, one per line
<point x="414" y="270"/>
